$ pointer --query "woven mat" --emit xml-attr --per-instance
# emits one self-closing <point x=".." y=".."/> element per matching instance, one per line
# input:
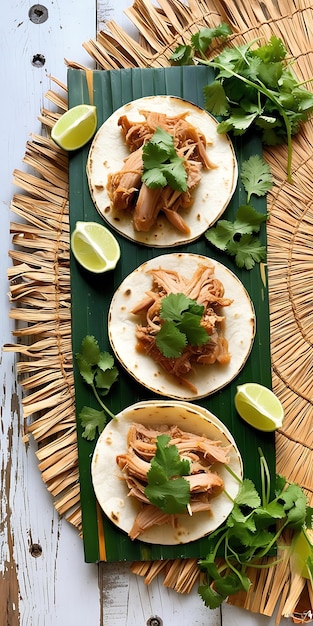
<point x="40" y="276"/>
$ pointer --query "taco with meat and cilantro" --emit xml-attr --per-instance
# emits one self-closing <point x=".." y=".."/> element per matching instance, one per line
<point x="182" y="325"/>
<point x="185" y="444"/>
<point x="159" y="172"/>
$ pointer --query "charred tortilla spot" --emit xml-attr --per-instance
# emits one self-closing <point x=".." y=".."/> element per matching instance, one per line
<point x="115" y="517"/>
<point x="99" y="187"/>
<point x="127" y="293"/>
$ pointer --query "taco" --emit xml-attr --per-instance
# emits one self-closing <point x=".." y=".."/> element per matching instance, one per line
<point x="161" y="216"/>
<point x="228" y="317"/>
<point x="120" y="494"/>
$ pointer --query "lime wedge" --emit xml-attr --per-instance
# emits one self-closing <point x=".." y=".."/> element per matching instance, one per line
<point x="259" y="407"/>
<point x="94" y="247"/>
<point x="75" y="127"/>
<point x="302" y="552"/>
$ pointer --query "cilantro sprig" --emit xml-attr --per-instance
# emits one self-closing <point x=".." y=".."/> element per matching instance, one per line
<point x="181" y="325"/>
<point x="250" y="533"/>
<point x="99" y="372"/>
<point x="200" y="42"/>
<point x="239" y="238"/>
<point x="254" y="87"/>
<point x="257" y="87"/>
<point x="167" y="488"/>
<point x="161" y="164"/>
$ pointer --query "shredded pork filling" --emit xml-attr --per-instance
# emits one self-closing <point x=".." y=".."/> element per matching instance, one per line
<point x="204" y="481"/>
<point x="125" y="188"/>
<point x="208" y="291"/>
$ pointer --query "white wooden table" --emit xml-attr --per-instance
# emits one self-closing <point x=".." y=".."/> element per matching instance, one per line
<point x="56" y="587"/>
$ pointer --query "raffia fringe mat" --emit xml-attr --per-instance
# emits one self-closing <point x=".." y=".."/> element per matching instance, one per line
<point x="40" y="277"/>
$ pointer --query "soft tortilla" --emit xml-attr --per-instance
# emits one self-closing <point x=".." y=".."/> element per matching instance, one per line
<point x="111" y="489"/>
<point x="239" y="329"/>
<point x="108" y="151"/>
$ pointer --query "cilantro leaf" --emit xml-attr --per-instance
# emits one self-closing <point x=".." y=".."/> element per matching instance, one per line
<point x="248" y="495"/>
<point x="167" y="488"/>
<point x="182" y="55"/>
<point x="181" y="325"/>
<point x="238" y="517"/>
<point x="215" y="99"/>
<point x="154" y="178"/>
<point x="85" y="369"/>
<point x="209" y="564"/>
<point x="231" y="59"/>
<point x="295" y="504"/>
<point x="90" y="350"/>
<point x="228" y="585"/>
<point x="161" y="164"/>
<point x="247" y="251"/>
<point x="159" y="148"/>
<point x="238" y="122"/>
<point x="210" y="597"/>
<point x="105" y="361"/>
<point x="248" y="220"/>
<point x="257" y="539"/>
<point x="191" y="327"/>
<point x="171" y="496"/>
<point x="175" y="174"/>
<point x="204" y="37"/>
<point x="99" y="372"/>
<point x="273" y="510"/>
<point x="270" y="73"/>
<point x="92" y="421"/>
<point x="271" y="52"/>
<point x="256" y="176"/>
<point x="105" y="379"/>
<point x="237" y="238"/>
<point x="175" y="304"/>
<point x="220" y="234"/>
<point x="167" y="456"/>
<point x="280" y="484"/>
<point x="200" y="41"/>
<point x="170" y="340"/>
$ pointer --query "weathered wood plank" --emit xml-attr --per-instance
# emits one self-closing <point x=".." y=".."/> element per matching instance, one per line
<point x="43" y="578"/>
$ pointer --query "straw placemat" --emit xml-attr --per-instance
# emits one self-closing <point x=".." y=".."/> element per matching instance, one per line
<point x="40" y="275"/>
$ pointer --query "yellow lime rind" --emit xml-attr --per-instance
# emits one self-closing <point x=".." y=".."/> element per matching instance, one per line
<point x="302" y="549"/>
